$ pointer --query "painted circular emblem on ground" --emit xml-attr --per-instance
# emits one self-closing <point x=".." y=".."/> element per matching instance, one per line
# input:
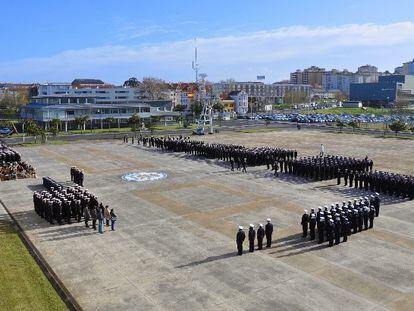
<point x="144" y="176"/>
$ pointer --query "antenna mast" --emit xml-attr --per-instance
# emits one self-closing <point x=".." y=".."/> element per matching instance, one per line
<point x="195" y="65"/>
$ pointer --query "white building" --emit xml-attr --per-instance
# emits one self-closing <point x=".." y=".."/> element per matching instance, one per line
<point x="54" y="88"/>
<point x="368" y="73"/>
<point x="179" y="97"/>
<point x="340" y="80"/>
<point x="101" y="94"/>
<point x="269" y="93"/>
<point x="408" y="68"/>
<point x="241" y="101"/>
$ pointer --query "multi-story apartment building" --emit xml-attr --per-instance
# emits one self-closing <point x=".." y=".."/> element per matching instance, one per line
<point x="241" y="101"/>
<point x="340" y="80"/>
<point x="259" y="93"/>
<point x="408" y="68"/>
<point x="311" y="75"/>
<point x="368" y="73"/>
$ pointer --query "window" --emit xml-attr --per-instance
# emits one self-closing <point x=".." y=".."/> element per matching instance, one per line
<point x="70" y="112"/>
<point x="73" y="100"/>
<point x="82" y="100"/>
<point x="64" y="100"/>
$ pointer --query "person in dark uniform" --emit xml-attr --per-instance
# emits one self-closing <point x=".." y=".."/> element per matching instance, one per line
<point x="377" y="202"/>
<point x="330" y="225"/>
<point x="81" y="176"/>
<point x="260" y="236"/>
<point x="321" y="229"/>
<point x="252" y="237"/>
<point x="371" y="216"/>
<point x="239" y="240"/>
<point x="312" y="224"/>
<point x="337" y="230"/>
<point x="345" y="228"/>
<point x="269" y="232"/>
<point x="305" y="223"/>
<point x="366" y="216"/>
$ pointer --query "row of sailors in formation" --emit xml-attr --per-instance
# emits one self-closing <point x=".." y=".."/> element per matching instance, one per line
<point x="324" y="167"/>
<point x="383" y="182"/>
<point x="262" y="231"/>
<point x="8" y="154"/>
<point x="341" y="221"/>
<point x="318" y="167"/>
<point x="252" y="156"/>
<point x="63" y="205"/>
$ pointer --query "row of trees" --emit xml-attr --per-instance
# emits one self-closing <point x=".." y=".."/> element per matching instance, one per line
<point x="396" y="126"/>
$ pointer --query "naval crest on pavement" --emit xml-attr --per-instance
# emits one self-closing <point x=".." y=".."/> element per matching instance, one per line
<point x="144" y="176"/>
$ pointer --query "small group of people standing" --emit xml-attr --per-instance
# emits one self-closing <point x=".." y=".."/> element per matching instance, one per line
<point x="102" y="215"/>
<point x="67" y="204"/>
<point x="261" y="233"/>
<point x="77" y="175"/>
<point x="341" y="221"/>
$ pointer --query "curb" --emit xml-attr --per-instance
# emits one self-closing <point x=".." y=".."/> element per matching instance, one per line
<point x="57" y="284"/>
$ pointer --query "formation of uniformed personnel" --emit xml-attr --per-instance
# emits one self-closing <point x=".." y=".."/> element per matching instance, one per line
<point x="325" y="167"/>
<point x="238" y="155"/>
<point x="341" y="221"/>
<point x="383" y="182"/>
<point x="12" y="166"/>
<point x="252" y="234"/>
<point x="65" y="204"/>
<point x="77" y="175"/>
<point x="8" y="154"/>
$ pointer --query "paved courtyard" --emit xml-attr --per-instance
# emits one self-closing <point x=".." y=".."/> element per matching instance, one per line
<point x="174" y="248"/>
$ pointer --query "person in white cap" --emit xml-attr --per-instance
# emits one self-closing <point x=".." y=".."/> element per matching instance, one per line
<point x="304" y="223"/>
<point x="252" y="237"/>
<point x="239" y="240"/>
<point x="260" y="236"/>
<point x="269" y="232"/>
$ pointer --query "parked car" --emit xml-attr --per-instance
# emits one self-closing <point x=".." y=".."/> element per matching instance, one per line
<point x="6" y="131"/>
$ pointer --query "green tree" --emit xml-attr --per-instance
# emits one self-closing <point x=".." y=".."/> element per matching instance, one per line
<point x="196" y="108"/>
<point x="218" y="106"/>
<point x="397" y="126"/>
<point x="32" y="128"/>
<point x="109" y="120"/>
<point x="180" y="119"/>
<point x="354" y="125"/>
<point x="340" y="124"/>
<point x="132" y="82"/>
<point x="54" y="126"/>
<point x="134" y="121"/>
<point x="179" y="108"/>
<point x="80" y="122"/>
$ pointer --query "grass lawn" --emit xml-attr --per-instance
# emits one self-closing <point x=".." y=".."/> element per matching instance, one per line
<point x="23" y="286"/>
<point x="259" y="130"/>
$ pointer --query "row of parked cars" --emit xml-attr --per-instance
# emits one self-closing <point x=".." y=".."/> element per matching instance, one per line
<point x="330" y="118"/>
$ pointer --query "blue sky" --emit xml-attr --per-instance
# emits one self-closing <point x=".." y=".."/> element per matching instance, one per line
<point x="113" y="40"/>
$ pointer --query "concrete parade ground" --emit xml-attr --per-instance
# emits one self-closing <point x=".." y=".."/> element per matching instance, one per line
<point x="174" y="246"/>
